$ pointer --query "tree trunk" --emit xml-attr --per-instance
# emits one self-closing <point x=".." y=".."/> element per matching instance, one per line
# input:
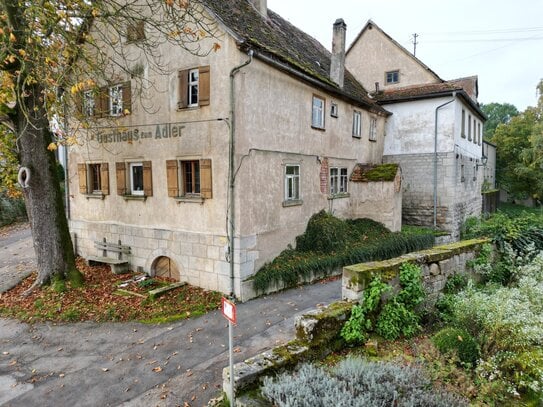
<point x="43" y="197"/>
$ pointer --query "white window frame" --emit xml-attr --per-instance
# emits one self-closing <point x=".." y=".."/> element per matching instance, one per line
<point x="357" y="124"/>
<point x="132" y="190"/>
<point x="292" y="194"/>
<point x="334" y="110"/>
<point x="94" y="170"/>
<point x="193" y="83"/>
<point x="394" y="75"/>
<point x="373" y="129"/>
<point x="89" y="103"/>
<point x="338" y="180"/>
<point x="116" y="100"/>
<point x="317" y="112"/>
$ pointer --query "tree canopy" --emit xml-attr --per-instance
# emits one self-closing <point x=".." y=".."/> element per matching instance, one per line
<point x="520" y="152"/>
<point x="497" y="113"/>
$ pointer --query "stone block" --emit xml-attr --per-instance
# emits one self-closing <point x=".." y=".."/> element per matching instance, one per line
<point x="434" y="269"/>
<point x="199" y="250"/>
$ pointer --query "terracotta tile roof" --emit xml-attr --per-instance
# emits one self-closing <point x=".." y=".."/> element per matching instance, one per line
<point x="279" y="41"/>
<point x="431" y="90"/>
<point x="416" y="91"/>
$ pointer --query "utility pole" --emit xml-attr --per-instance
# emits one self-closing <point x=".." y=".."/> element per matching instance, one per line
<point x="415" y="36"/>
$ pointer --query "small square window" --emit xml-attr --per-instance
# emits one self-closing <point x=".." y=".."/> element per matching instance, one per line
<point x="357" y="124"/>
<point x="334" y="110"/>
<point x="135" y="31"/>
<point x="392" y="77"/>
<point x="136" y="178"/>
<point x="116" y="100"/>
<point x="317" y="113"/>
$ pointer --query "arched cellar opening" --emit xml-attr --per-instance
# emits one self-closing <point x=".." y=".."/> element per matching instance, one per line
<point x="165" y="267"/>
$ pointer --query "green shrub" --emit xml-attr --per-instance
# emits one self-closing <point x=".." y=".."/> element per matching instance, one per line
<point x="457" y="341"/>
<point x="356" y="382"/>
<point x="325" y="234"/>
<point x="359" y="324"/>
<point x="367" y="241"/>
<point x="11" y="210"/>
<point x="455" y="283"/>
<point x="396" y="318"/>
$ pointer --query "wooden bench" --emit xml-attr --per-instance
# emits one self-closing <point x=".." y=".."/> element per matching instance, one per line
<point x="119" y="265"/>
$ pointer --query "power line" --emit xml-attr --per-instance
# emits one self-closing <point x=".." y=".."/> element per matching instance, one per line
<point x="487" y="32"/>
<point x="489" y="40"/>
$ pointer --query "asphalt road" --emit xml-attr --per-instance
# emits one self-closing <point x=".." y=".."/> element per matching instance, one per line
<point x="131" y="364"/>
<point x="16" y="256"/>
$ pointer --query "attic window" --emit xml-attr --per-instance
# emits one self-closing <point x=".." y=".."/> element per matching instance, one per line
<point x="392" y="77"/>
<point x="333" y="110"/>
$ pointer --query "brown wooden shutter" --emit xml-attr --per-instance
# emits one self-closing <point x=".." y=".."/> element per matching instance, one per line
<point x="183" y="89"/>
<point x="127" y="97"/>
<point x="78" y="99"/>
<point x="204" y="85"/>
<point x="120" y="169"/>
<point x="102" y="102"/>
<point x="206" y="186"/>
<point x="172" y="177"/>
<point x="82" y="172"/>
<point x="147" y="179"/>
<point x="104" y="178"/>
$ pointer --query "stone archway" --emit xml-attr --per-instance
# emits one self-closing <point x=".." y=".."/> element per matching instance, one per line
<point x="163" y="266"/>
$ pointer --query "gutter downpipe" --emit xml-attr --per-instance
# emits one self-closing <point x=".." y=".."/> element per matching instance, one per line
<point x="231" y="169"/>
<point x="435" y="156"/>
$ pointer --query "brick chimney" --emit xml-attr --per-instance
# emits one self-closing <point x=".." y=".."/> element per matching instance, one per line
<point x="337" y="64"/>
<point x="261" y="6"/>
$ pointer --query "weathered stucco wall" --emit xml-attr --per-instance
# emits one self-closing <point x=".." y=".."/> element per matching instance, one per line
<point x="373" y="45"/>
<point x="273" y="128"/>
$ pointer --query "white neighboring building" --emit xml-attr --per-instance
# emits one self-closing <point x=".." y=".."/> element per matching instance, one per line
<point x="435" y="132"/>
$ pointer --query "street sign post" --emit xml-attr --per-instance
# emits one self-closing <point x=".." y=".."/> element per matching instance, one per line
<point x="228" y="309"/>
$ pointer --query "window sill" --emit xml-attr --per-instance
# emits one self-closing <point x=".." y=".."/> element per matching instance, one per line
<point x="372" y="140"/>
<point x="135" y="197"/>
<point x="318" y="128"/>
<point x="339" y="196"/>
<point x="189" y="199"/>
<point x="97" y="195"/>
<point x="292" y="202"/>
<point x="357" y="137"/>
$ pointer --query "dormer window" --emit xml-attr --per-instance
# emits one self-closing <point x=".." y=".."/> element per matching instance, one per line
<point x="392" y="77"/>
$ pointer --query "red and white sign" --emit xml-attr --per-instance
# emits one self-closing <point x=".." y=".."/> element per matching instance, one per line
<point x="229" y="310"/>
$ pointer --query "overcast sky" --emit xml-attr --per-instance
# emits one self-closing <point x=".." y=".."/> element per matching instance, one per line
<point x="501" y="41"/>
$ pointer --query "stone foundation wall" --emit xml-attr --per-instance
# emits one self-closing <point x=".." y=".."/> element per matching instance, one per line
<point x="200" y="257"/>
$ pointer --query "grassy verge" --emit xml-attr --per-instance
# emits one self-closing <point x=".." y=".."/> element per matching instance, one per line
<point x="99" y="300"/>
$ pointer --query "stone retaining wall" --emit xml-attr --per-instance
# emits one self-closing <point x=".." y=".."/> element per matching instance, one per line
<point x="438" y="263"/>
<point x="318" y="331"/>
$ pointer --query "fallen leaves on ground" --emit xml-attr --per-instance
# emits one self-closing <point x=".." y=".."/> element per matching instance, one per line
<point x="97" y="300"/>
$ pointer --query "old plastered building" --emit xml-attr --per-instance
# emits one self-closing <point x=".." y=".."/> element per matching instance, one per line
<point x="434" y="133"/>
<point x="161" y="181"/>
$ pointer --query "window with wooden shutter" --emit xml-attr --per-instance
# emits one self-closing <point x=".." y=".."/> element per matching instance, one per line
<point x="120" y="169"/>
<point x="172" y="175"/>
<point x="147" y="178"/>
<point x="104" y="178"/>
<point x="206" y="186"/>
<point x="102" y="102"/>
<point x="82" y="173"/>
<point x="204" y="85"/>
